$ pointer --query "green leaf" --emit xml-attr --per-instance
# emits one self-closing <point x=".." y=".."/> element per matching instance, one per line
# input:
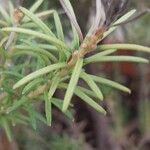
<point x="84" y="97"/>
<point x="118" y="59"/>
<point x="59" y="103"/>
<point x="31" y="85"/>
<point x="110" y="83"/>
<point x="44" y="14"/>
<point x="70" y="13"/>
<point x="6" y="126"/>
<point x="36" y="5"/>
<point x="31" y="110"/>
<point x="48" y="109"/>
<point x="87" y="92"/>
<point x="3" y="23"/>
<point x="48" y="47"/>
<point x="12" y="73"/>
<point x="11" y="11"/>
<point x="72" y="84"/>
<point x="97" y="56"/>
<point x="40" y="117"/>
<point x="58" y="25"/>
<point x="30" y="53"/>
<point x="125" y="17"/>
<point x="5" y="15"/>
<point x="76" y="41"/>
<point x="53" y="87"/>
<point x="50" y="39"/>
<point x="35" y="48"/>
<point x="89" y="101"/>
<point x="92" y="85"/>
<point x="133" y="47"/>
<point x="37" y="21"/>
<point x="120" y="20"/>
<point x="17" y="104"/>
<point x="38" y="73"/>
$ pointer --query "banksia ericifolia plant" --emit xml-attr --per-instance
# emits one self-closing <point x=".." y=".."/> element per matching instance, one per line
<point x="36" y="60"/>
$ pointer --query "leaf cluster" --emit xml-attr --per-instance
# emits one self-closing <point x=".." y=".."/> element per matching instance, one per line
<point x="35" y="65"/>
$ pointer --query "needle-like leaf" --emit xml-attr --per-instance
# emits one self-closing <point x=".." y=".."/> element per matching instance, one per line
<point x="100" y="17"/>
<point x="58" y="25"/>
<point x="36" y="5"/>
<point x="89" y="101"/>
<point x="92" y="85"/>
<point x="59" y="103"/>
<point x="116" y="59"/>
<point x="37" y="21"/>
<point x="133" y="47"/>
<point x="17" y="104"/>
<point x="53" y="86"/>
<point x="110" y="83"/>
<point x="31" y="85"/>
<point x="32" y="115"/>
<point x="37" y="50"/>
<point x="70" y="13"/>
<point x="122" y="19"/>
<point x="38" y="73"/>
<point x="50" y="39"/>
<point x="5" y="14"/>
<point x="103" y="53"/>
<point x="72" y="84"/>
<point x="48" y="109"/>
<point x="7" y="128"/>
<point x="85" y="98"/>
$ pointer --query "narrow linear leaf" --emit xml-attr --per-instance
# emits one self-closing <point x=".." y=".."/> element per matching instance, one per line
<point x="76" y="41"/>
<point x="50" y="39"/>
<point x="31" y="85"/>
<point x="11" y="11"/>
<point x="40" y="117"/>
<point x="48" y="109"/>
<point x="58" y="25"/>
<point x="29" y="25"/>
<point x="70" y="13"/>
<point x="17" y="104"/>
<point x="44" y="14"/>
<point x="5" y="14"/>
<point x="103" y="53"/>
<point x="32" y="116"/>
<point x="36" y="49"/>
<point x="59" y="103"/>
<point x="36" y="5"/>
<point x="53" y="87"/>
<point x="43" y="46"/>
<point x="110" y="83"/>
<point x="125" y="17"/>
<point x="118" y="59"/>
<point x="3" y="23"/>
<point x="23" y="52"/>
<point x="87" y="92"/>
<point x="133" y="47"/>
<point x="37" y="21"/>
<point x="7" y="128"/>
<point x="92" y="85"/>
<point x="89" y="101"/>
<point x="72" y="84"/>
<point x="38" y="73"/>
<point x="84" y="97"/>
<point x="13" y="73"/>
<point x="122" y="19"/>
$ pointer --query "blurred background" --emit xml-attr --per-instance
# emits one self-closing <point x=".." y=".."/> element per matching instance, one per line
<point x="127" y="124"/>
